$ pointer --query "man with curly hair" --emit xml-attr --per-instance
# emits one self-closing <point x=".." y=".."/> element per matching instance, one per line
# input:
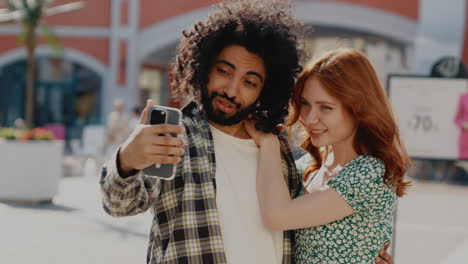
<point x="240" y="63"/>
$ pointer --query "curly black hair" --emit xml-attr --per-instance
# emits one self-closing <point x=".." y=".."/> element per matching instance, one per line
<point x="265" y="28"/>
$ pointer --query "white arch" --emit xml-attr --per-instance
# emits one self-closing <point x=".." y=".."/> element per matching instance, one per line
<point x="68" y="53"/>
<point x="337" y="14"/>
<point x="164" y="33"/>
<point x="360" y="18"/>
<point x="72" y="55"/>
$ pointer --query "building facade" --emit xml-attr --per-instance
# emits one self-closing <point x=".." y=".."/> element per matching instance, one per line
<point x="122" y="49"/>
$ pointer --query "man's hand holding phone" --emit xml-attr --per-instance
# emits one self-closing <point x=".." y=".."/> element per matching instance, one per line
<point x="147" y="145"/>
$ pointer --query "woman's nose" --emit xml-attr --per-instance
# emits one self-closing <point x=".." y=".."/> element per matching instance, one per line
<point x="312" y="118"/>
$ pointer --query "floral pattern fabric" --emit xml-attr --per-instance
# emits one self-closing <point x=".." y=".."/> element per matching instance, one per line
<point x="357" y="238"/>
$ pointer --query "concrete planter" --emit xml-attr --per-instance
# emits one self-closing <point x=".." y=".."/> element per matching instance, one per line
<point x="30" y="170"/>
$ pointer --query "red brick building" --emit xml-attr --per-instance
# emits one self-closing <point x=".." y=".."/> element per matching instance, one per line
<point x="121" y="49"/>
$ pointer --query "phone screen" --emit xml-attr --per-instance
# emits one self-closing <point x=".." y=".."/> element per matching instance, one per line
<point x="157" y="117"/>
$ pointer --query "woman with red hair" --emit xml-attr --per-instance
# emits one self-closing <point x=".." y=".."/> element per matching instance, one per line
<point x="354" y="170"/>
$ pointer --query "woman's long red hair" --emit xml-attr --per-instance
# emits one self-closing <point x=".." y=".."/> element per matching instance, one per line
<point x="348" y="76"/>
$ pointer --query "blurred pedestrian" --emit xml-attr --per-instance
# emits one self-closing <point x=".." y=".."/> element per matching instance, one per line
<point x="135" y="117"/>
<point x="118" y="127"/>
<point x="20" y="124"/>
<point x="461" y="120"/>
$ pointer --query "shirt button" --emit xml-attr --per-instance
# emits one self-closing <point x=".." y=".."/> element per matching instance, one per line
<point x="103" y="173"/>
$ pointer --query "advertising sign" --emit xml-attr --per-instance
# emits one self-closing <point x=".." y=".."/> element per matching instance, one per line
<point x="431" y="114"/>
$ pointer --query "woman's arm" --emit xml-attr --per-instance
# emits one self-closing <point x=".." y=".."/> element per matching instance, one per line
<point x="279" y="211"/>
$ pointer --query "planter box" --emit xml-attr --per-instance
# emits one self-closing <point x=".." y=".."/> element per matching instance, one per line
<point x="30" y="170"/>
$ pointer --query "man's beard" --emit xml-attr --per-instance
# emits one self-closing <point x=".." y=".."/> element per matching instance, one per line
<point x="219" y="117"/>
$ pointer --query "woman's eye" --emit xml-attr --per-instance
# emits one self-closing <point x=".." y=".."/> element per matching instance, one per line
<point x="325" y="107"/>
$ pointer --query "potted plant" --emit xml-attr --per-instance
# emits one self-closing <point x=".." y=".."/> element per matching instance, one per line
<point x="31" y="162"/>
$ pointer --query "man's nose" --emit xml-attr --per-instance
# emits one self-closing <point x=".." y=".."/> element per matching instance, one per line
<point x="232" y="88"/>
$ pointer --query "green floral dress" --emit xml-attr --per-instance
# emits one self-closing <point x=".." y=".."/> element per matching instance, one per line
<point x="359" y="237"/>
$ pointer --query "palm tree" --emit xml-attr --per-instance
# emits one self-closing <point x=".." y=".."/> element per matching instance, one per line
<point x="30" y="14"/>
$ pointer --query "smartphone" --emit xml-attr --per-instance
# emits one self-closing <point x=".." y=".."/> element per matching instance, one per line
<point x="163" y="115"/>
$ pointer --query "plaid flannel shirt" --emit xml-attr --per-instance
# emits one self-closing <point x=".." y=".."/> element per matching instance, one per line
<point x="186" y="226"/>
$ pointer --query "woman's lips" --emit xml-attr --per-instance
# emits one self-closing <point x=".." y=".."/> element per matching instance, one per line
<point x="316" y="133"/>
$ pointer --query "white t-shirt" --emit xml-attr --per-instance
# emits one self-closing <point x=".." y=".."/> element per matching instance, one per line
<point x="245" y="238"/>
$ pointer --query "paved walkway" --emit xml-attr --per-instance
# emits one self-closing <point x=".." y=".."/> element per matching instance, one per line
<point x="74" y="229"/>
<point x="432" y="228"/>
<point x="432" y="225"/>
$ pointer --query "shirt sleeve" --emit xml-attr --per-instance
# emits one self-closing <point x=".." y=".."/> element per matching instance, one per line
<point x="361" y="186"/>
<point x="126" y="196"/>
<point x="303" y="163"/>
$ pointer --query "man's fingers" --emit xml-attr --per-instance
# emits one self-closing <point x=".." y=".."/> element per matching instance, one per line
<point x="145" y="112"/>
<point x="387" y="246"/>
<point x="167" y="141"/>
<point x="385" y="256"/>
<point x="164" y="159"/>
<point x="165" y="129"/>
<point x="150" y="140"/>
<point x="382" y="261"/>
<point x="164" y="150"/>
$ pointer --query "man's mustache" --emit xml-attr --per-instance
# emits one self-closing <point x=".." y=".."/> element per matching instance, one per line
<point x="225" y="96"/>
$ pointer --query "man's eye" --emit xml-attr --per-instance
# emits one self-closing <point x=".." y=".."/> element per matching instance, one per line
<point x="251" y="84"/>
<point x="221" y="71"/>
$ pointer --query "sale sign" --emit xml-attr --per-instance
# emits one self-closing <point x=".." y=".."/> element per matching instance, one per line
<point x="426" y="111"/>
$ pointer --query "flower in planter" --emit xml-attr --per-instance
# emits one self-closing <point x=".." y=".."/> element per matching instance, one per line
<point x="10" y="133"/>
<point x="21" y="134"/>
<point x="38" y="134"/>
